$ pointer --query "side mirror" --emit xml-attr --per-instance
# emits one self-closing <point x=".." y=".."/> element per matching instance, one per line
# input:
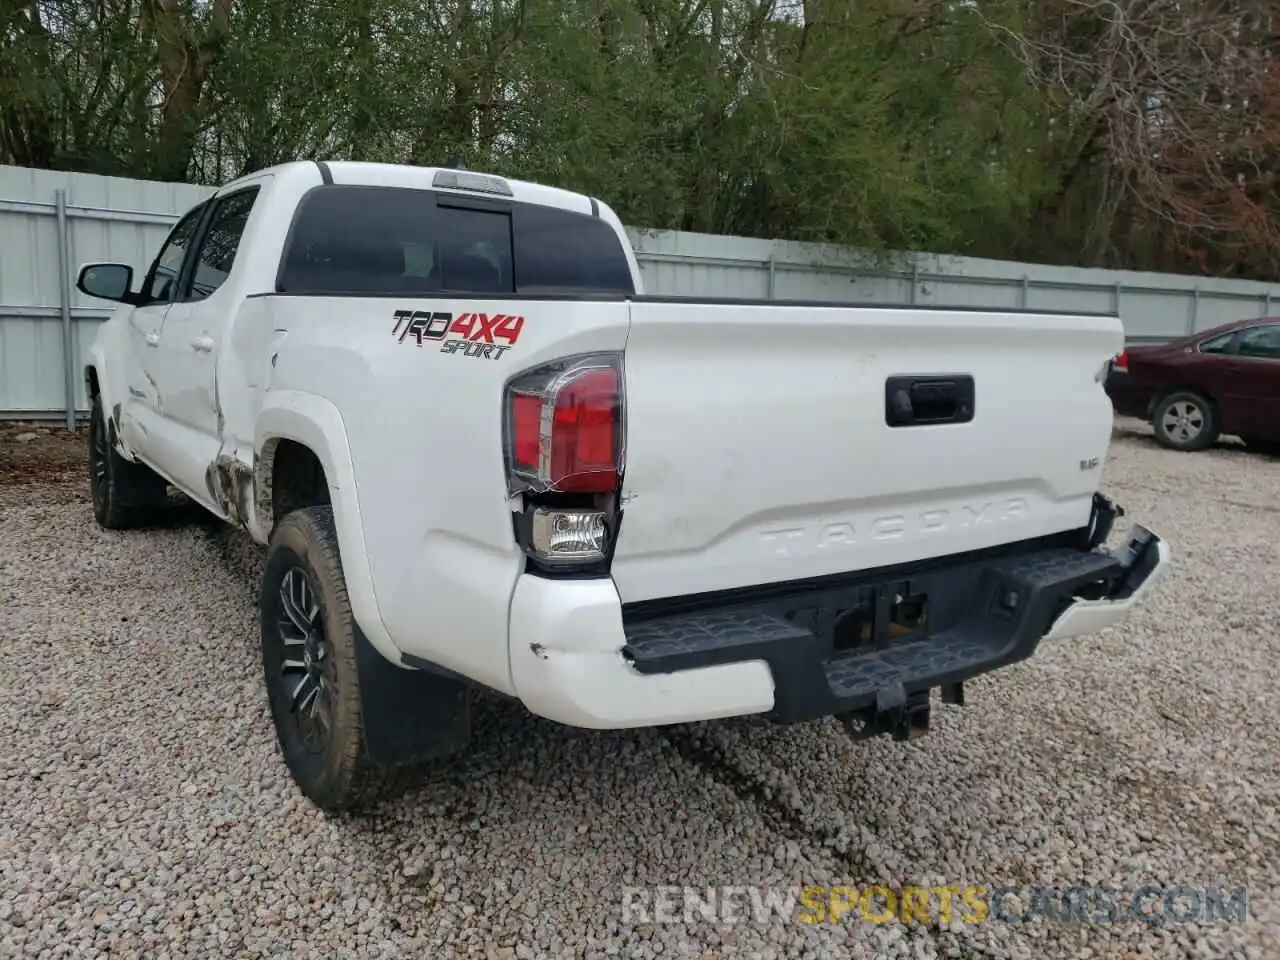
<point x="107" y="281"/>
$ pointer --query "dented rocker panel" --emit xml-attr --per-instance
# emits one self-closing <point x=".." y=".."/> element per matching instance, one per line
<point x="230" y="483"/>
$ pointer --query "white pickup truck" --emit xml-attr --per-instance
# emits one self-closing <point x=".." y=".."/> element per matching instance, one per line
<point x="480" y="455"/>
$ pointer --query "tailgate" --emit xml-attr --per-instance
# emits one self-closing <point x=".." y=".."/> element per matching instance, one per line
<point x="758" y="447"/>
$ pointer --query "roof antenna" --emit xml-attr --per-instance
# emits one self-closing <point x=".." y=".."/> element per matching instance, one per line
<point x="455" y="162"/>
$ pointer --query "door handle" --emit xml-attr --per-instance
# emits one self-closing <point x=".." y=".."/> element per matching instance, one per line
<point x="202" y="343"/>
<point x="153" y="340"/>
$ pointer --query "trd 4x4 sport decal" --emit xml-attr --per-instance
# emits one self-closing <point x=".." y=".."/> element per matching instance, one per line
<point x="480" y="335"/>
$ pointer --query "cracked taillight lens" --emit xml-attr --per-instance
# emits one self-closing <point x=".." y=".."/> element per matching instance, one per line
<point x="565" y="427"/>
<point x="564" y="434"/>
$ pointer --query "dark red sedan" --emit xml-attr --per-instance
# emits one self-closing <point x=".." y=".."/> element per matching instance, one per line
<point x="1224" y="380"/>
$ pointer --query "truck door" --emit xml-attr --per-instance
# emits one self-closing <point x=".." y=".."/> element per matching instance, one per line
<point x="140" y="407"/>
<point x="186" y="358"/>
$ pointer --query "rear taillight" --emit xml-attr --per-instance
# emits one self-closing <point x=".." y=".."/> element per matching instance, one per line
<point x="1121" y="362"/>
<point x="565" y="430"/>
<point x="565" y="427"/>
<point x="526" y="425"/>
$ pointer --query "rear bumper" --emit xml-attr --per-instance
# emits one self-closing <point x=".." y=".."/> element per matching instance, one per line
<point x="577" y="657"/>
<point x="1128" y="397"/>
<point x="567" y="664"/>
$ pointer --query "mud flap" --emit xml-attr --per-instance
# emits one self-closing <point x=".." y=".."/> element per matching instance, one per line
<point x="410" y="716"/>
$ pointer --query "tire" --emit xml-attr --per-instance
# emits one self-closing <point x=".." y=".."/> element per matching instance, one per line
<point x="309" y="662"/>
<point x="124" y="494"/>
<point x="1185" y="421"/>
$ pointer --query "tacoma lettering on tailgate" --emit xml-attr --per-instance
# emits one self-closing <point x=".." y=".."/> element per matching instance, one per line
<point x="843" y="533"/>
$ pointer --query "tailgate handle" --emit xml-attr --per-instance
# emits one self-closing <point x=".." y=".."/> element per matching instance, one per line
<point x="920" y="401"/>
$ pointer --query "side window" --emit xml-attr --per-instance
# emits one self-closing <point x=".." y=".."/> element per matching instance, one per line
<point x="1217" y="344"/>
<point x="163" y="277"/>
<point x="1261" y="342"/>
<point x="221" y="240"/>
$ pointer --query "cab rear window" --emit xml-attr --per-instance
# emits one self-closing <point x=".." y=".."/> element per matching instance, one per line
<point x="371" y="241"/>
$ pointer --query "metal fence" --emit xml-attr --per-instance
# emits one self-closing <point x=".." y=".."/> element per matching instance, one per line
<point x="51" y="222"/>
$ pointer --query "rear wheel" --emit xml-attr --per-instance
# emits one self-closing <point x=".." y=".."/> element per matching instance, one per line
<point x="310" y="668"/>
<point x="125" y="494"/>
<point x="1185" y="421"/>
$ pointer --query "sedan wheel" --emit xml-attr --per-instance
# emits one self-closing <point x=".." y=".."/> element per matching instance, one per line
<point x="1185" y="421"/>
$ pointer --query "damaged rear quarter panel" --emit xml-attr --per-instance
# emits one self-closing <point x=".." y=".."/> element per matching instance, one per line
<point x="426" y="444"/>
<point x="244" y="377"/>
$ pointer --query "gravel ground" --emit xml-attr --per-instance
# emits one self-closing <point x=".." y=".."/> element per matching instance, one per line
<point x="144" y="810"/>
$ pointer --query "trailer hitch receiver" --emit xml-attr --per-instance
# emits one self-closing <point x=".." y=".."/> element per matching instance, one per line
<point x="896" y="713"/>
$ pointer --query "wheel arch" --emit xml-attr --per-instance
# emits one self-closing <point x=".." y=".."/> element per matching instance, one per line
<point x="97" y="384"/>
<point x="288" y="475"/>
<point x="101" y="372"/>
<point x="1180" y="387"/>
<point x="291" y="422"/>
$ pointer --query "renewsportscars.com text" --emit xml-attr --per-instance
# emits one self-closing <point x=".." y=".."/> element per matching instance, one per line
<point x="969" y="904"/>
